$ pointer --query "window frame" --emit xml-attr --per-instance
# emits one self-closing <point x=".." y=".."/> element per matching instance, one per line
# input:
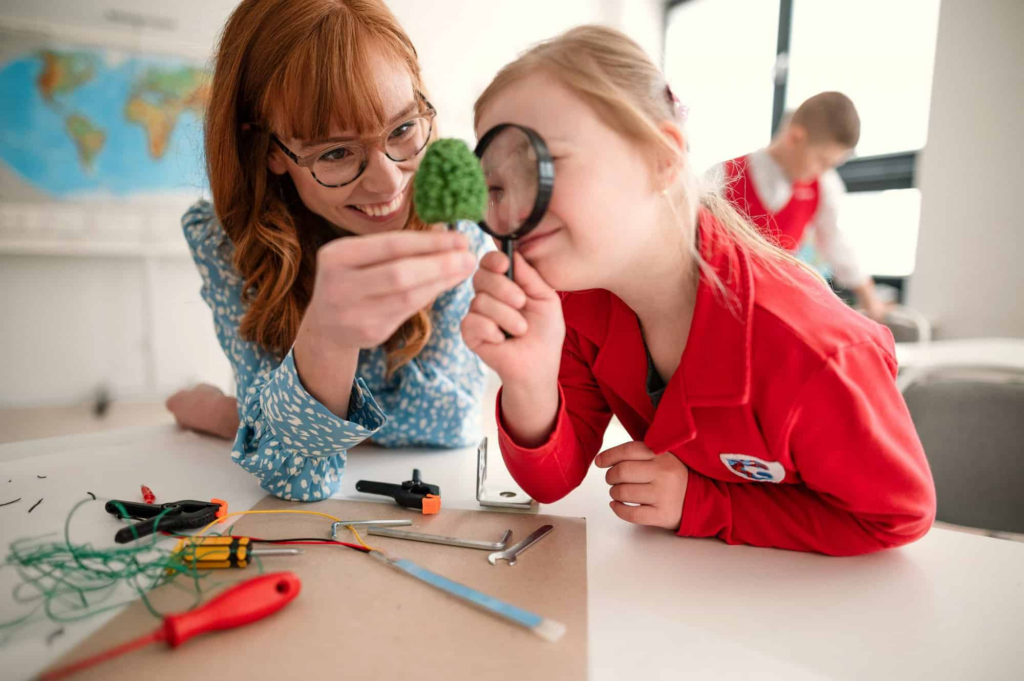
<point x="864" y="174"/>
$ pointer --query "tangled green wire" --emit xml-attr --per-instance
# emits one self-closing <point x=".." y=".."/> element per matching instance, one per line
<point x="69" y="582"/>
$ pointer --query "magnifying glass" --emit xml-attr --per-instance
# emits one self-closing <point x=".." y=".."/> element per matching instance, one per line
<point x="520" y="178"/>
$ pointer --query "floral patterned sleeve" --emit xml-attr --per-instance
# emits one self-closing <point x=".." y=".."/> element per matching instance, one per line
<point x="292" y="443"/>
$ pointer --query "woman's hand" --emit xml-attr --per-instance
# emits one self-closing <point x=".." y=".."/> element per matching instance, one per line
<point x="527" y="361"/>
<point x="366" y="287"/>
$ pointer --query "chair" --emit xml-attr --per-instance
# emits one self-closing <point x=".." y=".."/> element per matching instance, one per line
<point x="908" y="325"/>
<point x="971" y="423"/>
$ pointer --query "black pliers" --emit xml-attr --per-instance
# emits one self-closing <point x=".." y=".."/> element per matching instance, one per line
<point x="180" y="515"/>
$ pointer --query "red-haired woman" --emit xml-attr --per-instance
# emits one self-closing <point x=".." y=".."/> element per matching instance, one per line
<point x="338" y="309"/>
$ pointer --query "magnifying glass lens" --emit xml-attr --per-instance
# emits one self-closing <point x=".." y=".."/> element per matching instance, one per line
<point x="511" y="170"/>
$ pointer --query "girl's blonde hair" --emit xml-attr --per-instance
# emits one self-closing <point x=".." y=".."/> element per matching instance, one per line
<point x="294" y="68"/>
<point x="628" y="92"/>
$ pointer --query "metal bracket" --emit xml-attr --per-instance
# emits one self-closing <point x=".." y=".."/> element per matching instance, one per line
<point x="508" y="496"/>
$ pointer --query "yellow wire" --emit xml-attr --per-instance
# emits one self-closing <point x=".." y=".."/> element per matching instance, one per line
<point x="201" y="532"/>
<point x="352" y="529"/>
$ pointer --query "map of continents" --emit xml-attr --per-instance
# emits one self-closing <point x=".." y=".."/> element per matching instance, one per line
<point x="87" y="122"/>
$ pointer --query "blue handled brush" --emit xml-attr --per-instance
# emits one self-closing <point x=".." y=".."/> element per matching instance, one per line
<point x="549" y="630"/>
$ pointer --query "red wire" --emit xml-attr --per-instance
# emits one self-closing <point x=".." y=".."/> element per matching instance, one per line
<point x="312" y="543"/>
<point x="292" y="541"/>
<point x="76" y="667"/>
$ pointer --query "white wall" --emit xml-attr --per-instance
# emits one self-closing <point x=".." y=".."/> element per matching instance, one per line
<point x="463" y="43"/>
<point x="134" y="326"/>
<point x="106" y="295"/>
<point x="971" y="244"/>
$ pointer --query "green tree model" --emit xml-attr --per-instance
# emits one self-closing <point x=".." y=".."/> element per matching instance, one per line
<point x="449" y="185"/>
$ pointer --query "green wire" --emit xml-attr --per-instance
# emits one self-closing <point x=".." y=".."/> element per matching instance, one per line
<point x="70" y="582"/>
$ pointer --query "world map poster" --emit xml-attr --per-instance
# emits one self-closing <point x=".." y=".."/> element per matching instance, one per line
<point x="81" y="122"/>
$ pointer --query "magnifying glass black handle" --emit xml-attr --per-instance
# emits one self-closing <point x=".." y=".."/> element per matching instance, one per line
<point x="510" y="248"/>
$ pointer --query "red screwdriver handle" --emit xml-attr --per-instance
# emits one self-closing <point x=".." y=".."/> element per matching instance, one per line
<point x="242" y="604"/>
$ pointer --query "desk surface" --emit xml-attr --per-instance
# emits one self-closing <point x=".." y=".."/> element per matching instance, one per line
<point x="950" y="606"/>
<point x="996" y="352"/>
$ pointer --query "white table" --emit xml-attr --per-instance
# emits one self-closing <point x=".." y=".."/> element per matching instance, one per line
<point x="950" y="606"/>
<point x="965" y="352"/>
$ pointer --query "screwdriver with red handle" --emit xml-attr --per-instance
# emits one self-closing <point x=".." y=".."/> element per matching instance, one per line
<point x="242" y="604"/>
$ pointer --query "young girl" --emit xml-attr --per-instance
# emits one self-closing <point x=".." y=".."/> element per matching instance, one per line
<point x="764" y="411"/>
<point x="317" y="123"/>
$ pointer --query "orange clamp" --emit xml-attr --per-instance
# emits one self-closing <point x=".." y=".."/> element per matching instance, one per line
<point x="223" y="510"/>
<point x="431" y="504"/>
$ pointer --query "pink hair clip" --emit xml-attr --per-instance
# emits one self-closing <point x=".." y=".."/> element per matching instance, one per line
<point x="680" y="109"/>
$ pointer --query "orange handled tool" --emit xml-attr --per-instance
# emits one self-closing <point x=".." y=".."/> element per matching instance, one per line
<point x="242" y="604"/>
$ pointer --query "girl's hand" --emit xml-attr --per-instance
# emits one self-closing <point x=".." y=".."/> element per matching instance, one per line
<point x="368" y="286"/>
<point x="529" y="309"/>
<point x="655" y="483"/>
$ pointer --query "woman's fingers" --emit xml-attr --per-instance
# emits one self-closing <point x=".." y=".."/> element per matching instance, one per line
<point x="398" y="306"/>
<point x="364" y="251"/>
<point x="504" y="316"/>
<point x="411" y="273"/>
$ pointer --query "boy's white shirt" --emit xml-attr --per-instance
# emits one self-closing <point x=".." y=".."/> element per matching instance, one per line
<point x="775" y="190"/>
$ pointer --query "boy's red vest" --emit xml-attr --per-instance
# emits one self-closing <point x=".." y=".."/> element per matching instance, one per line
<point x="786" y="226"/>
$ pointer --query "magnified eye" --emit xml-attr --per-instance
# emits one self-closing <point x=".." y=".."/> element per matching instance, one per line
<point x="496" y="194"/>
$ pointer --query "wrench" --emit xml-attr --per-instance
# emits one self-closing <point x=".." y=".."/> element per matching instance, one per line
<point x="509" y="555"/>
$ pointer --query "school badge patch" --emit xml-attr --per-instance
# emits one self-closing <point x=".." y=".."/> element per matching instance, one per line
<point x="753" y="468"/>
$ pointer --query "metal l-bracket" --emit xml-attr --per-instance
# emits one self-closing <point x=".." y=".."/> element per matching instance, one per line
<point x="508" y="496"/>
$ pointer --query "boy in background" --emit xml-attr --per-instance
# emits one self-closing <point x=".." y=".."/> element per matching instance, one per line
<point x="791" y="187"/>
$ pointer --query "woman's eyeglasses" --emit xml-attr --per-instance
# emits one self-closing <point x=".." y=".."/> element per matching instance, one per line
<point x="342" y="164"/>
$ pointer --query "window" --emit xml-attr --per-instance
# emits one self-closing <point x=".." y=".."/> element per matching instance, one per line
<point x="728" y="89"/>
<point x="887" y="217"/>
<point x="727" y="59"/>
<point x="881" y="58"/>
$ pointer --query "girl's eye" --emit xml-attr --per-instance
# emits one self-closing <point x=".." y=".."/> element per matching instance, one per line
<point x="496" y="194"/>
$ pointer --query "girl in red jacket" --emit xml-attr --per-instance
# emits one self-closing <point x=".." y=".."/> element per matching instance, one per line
<point x="763" y="410"/>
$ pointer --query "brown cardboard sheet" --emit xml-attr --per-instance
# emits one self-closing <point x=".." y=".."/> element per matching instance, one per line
<point x="357" y="618"/>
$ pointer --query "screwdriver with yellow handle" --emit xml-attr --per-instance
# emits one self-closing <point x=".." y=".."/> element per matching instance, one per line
<point x="208" y="553"/>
